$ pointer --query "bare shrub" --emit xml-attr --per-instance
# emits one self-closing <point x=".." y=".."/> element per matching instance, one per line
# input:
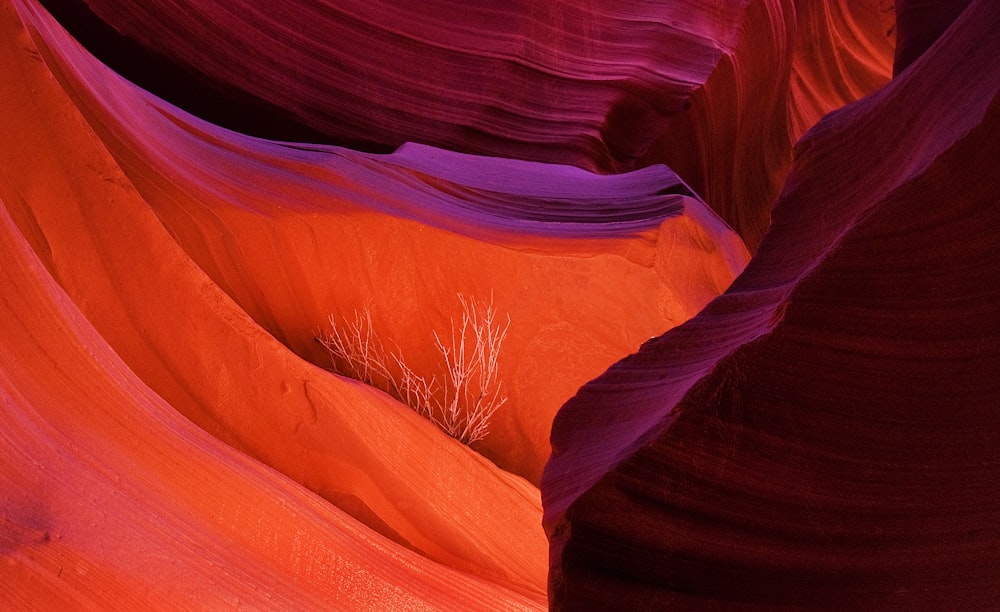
<point x="465" y="396"/>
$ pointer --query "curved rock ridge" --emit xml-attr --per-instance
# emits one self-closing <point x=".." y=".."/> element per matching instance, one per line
<point x="821" y="432"/>
<point x="153" y="223"/>
<point x="196" y="349"/>
<point x="824" y="433"/>
<point x="718" y="91"/>
<point x="490" y="193"/>
<point x="792" y="63"/>
<point x="296" y="233"/>
<point x="843" y="52"/>
<point x="109" y="497"/>
<point x="589" y="85"/>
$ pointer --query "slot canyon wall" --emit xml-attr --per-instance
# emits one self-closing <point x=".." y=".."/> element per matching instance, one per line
<point x="746" y="249"/>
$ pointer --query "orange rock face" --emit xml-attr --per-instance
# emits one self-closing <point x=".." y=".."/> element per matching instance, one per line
<point x="171" y="429"/>
<point x="110" y="497"/>
<point x="189" y="191"/>
<point x="202" y="357"/>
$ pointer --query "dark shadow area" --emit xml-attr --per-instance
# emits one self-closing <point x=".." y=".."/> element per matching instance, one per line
<point x="188" y="89"/>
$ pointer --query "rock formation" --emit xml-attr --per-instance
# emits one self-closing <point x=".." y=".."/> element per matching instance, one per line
<point x="189" y="190"/>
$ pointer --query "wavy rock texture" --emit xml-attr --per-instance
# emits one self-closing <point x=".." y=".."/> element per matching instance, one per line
<point x="820" y="434"/>
<point x="718" y="91"/>
<point x="178" y="331"/>
<point x="823" y="434"/>
<point x="793" y="63"/>
<point x="843" y="52"/>
<point x="158" y="266"/>
<point x="110" y="497"/>
<point x="585" y="84"/>
<point x="296" y="233"/>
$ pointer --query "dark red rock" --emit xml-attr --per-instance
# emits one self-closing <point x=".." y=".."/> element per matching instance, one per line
<point x="824" y="434"/>
<point x="920" y="23"/>
<point x="591" y="85"/>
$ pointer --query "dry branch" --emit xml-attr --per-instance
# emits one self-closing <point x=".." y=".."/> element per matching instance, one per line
<point x="469" y="390"/>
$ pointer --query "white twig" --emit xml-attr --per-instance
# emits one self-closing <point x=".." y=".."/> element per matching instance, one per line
<point x="471" y="390"/>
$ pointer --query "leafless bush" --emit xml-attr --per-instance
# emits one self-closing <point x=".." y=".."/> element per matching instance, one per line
<point x="463" y="400"/>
